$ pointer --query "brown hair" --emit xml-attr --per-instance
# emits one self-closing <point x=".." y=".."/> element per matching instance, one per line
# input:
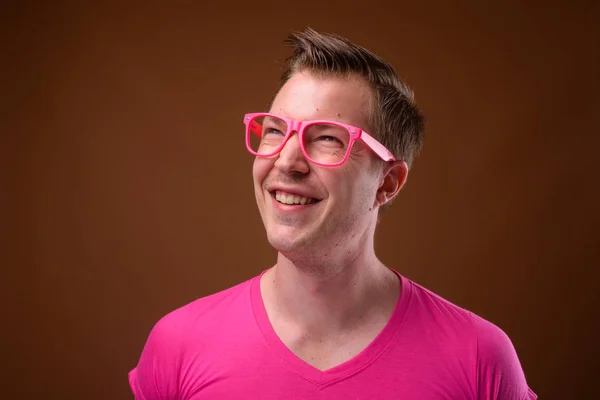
<point x="395" y="119"/>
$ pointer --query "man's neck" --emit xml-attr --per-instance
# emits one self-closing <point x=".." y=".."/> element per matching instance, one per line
<point x="326" y="301"/>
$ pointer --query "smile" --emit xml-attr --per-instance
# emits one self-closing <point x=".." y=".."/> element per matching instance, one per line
<point x="293" y="199"/>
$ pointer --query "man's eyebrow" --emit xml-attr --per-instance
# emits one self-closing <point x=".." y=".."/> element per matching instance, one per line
<point x="274" y="120"/>
<point x="327" y="125"/>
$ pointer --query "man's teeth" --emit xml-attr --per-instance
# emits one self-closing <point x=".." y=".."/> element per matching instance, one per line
<point x="291" y="199"/>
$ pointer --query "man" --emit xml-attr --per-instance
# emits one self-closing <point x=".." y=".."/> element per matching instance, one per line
<point x="329" y="320"/>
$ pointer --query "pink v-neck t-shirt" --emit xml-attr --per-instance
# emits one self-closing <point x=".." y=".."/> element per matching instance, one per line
<point x="223" y="347"/>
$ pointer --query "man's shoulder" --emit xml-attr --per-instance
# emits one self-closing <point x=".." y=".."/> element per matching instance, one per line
<point x="478" y="343"/>
<point x="193" y="337"/>
<point x="208" y="312"/>
<point x="443" y="311"/>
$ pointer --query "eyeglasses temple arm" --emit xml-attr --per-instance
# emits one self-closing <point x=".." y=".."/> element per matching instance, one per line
<point x="256" y="128"/>
<point x="377" y="147"/>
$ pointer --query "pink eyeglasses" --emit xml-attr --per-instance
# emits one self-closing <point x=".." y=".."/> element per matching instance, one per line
<point x="326" y="143"/>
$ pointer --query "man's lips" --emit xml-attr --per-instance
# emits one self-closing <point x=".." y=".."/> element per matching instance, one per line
<point x="292" y="198"/>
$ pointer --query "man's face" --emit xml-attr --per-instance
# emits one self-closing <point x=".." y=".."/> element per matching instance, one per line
<point x="341" y="201"/>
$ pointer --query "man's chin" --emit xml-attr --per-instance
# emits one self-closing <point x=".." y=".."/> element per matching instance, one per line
<point x="287" y="242"/>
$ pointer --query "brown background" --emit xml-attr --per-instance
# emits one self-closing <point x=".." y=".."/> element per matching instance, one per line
<point x="128" y="189"/>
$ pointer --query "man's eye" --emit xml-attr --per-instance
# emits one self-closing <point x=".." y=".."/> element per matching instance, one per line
<point x="329" y="139"/>
<point x="273" y="131"/>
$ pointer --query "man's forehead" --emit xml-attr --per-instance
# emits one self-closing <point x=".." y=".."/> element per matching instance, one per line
<point x="306" y="96"/>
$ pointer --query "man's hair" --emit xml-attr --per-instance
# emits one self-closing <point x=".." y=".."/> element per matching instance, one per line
<point x="395" y="119"/>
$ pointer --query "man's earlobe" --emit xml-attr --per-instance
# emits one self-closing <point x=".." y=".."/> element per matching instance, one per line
<point x="394" y="177"/>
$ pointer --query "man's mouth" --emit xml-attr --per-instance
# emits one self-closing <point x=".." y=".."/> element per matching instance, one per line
<point x="293" y="199"/>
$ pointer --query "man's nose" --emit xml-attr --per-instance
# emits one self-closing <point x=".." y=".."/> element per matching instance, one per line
<point x="291" y="158"/>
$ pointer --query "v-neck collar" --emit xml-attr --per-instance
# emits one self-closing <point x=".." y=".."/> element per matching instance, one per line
<point x="356" y="364"/>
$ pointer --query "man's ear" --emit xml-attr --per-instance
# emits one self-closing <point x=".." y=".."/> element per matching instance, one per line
<point x="394" y="177"/>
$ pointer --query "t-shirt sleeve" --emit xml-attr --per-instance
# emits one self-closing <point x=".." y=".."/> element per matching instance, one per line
<point x="155" y="376"/>
<point x="500" y="375"/>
